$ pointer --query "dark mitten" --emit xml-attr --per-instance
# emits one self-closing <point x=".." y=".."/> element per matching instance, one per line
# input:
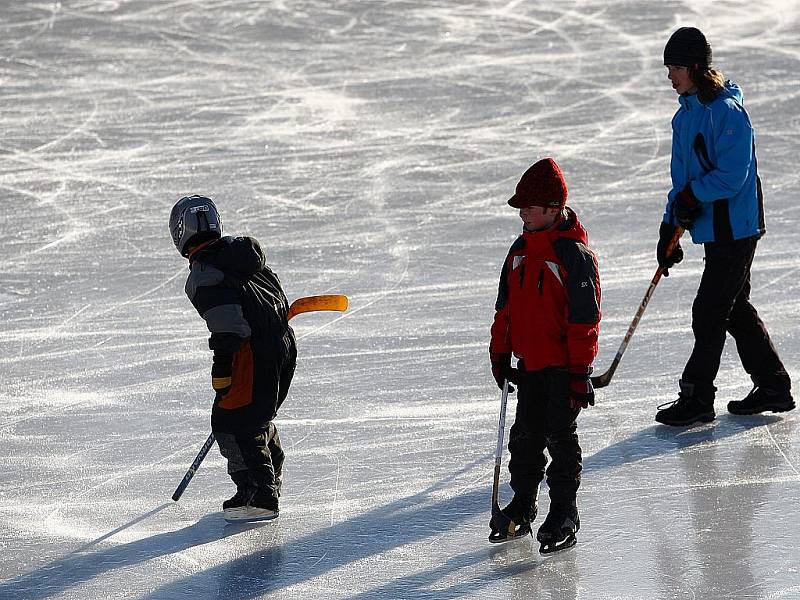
<point x="225" y="346"/>
<point x="221" y="371"/>
<point x="581" y="390"/>
<point x="501" y="369"/>
<point x="665" y="233"/>
<point x="687" y="207"/>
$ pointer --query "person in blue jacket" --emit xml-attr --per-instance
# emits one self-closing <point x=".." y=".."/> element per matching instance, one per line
<point x="716" y="195"/>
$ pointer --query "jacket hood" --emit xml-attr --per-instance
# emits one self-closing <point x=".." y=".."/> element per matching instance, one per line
<point x="570" y="227"/>
<point x="729" y="90"/>
<point x="239" y="257"/>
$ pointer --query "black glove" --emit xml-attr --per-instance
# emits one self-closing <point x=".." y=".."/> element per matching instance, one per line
<point x="581" y="390"/>
<point x="501" y="369"/>
<point x="665" y="233"/>
<point x="225" y="346"/>
<point x="687" y="207"/>
<point x="221" y="371"/>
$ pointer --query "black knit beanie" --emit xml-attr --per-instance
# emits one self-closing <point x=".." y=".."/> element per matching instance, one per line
<point x="687" y="47"/>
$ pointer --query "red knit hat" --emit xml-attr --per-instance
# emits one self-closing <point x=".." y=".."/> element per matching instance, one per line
<point x="541" y="185"/>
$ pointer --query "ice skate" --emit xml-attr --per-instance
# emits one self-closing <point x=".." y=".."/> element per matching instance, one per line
<point x="514" y="521"/>
<point x="261" y="507"/>
<point x="559" y="528"/>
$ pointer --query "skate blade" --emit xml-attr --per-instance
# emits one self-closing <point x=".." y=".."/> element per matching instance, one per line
<point x="499" y="537"/>
<point x="548" y="548"/>
<point x="248" y="514"/>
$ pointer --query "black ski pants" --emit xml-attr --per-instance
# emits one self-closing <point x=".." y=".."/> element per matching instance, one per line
<point x="247" y="436"/>
<point x="545" y="421"/>
<point x="255" y="459"/>
<point x="723" y="305"/>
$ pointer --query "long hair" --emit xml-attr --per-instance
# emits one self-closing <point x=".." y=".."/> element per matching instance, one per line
<point x="709" y="83"/>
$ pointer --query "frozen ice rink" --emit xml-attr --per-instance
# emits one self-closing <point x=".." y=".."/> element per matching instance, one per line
<point x="371" y="147"/>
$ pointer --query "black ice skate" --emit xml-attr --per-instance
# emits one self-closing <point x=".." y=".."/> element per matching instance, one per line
<point x="251" y="501"/>
<point x="559" y="528"/>
<point x="245" y="489"/>
<point x="514" y="521"/>
<point x="263" y="506"/>
<point x="239" y="499"/>
<point x="762" y="399"/>
<point x="690" y="407"/>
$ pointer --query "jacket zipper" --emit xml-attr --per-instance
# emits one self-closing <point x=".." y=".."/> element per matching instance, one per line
<point x="540" y="284"/>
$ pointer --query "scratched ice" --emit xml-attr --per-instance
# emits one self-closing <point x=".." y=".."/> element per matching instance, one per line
<point x="370" y="146"/>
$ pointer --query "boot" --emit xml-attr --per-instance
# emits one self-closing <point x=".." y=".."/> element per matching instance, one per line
<point x="261" y="500"/>
<point x="245" y="488"/>
<point x="693" y="404"/>
<point x="263" y="506"/>
<point x="559" y="528"/>
<point x="761" y="399"/>
<point x="514" y="520"/>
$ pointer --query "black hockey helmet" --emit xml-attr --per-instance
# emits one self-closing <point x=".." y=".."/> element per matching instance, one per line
<point x="193" y="220"/>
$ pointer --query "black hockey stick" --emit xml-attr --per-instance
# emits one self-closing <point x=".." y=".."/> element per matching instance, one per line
<point x="604" y="379"/>
<point x="193" y="469"/>
<point x="336" y="302"/>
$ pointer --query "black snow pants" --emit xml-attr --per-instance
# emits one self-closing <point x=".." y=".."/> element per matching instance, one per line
<point x="255" y="459"/>
<point x="545" y="420"/>
<point x="248" y="441"/>
<point x="723" y="304"/>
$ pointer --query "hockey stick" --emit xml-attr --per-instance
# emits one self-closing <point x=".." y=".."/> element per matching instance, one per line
<point x="498" y="458"/>
<point x="604" y="379"/>
<point x="335" y="302"/>
<point x="315" y="303"/>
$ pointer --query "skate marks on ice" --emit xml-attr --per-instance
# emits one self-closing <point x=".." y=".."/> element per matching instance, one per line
<point x="88" y="563"/>
<point x="281" y="560"/>
<point x="352" y="166"/>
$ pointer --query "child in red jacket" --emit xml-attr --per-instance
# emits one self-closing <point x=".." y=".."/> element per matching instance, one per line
<point x="547" y="315"/>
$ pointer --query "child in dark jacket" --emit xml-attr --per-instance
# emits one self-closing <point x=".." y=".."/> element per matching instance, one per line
<point x="547" y="315"/>
<point x="242" y="302"/>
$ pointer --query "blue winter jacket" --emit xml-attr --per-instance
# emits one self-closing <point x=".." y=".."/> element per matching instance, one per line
<point x="713" y="147"/>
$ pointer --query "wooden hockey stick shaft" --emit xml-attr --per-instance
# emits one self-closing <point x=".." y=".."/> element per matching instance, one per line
<point x="498" y="452"/>
<point x="337" y="302"/>
<point x="604" y="379"/>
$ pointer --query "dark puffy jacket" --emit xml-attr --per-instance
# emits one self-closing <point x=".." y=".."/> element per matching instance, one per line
<point x="548" y="302"/>
<point x="243" y="304"/>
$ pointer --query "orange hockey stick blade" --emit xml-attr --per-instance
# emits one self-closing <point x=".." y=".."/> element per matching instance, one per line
<point x="337" y="302"/>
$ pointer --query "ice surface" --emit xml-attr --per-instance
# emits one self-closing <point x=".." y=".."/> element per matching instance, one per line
<point x="370" y="146"/>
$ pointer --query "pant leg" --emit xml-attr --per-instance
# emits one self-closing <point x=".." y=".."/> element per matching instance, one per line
<point x="561" y="435"/>
<point x="756" y="351"/>
<point x="726" y="271"/>
<point x="231" y="452"/>
<point x="526" y="439"/>
<point x="258" y="459"/>
<point x="277" y="456"/>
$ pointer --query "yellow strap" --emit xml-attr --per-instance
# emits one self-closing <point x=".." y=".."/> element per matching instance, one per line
<point x="219" y="383"/>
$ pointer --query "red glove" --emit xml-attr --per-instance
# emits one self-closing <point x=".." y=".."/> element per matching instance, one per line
<point x="581" y="390"/>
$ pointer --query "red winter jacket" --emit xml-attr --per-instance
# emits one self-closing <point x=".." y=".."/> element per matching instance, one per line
<point x="548" y="302"/>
